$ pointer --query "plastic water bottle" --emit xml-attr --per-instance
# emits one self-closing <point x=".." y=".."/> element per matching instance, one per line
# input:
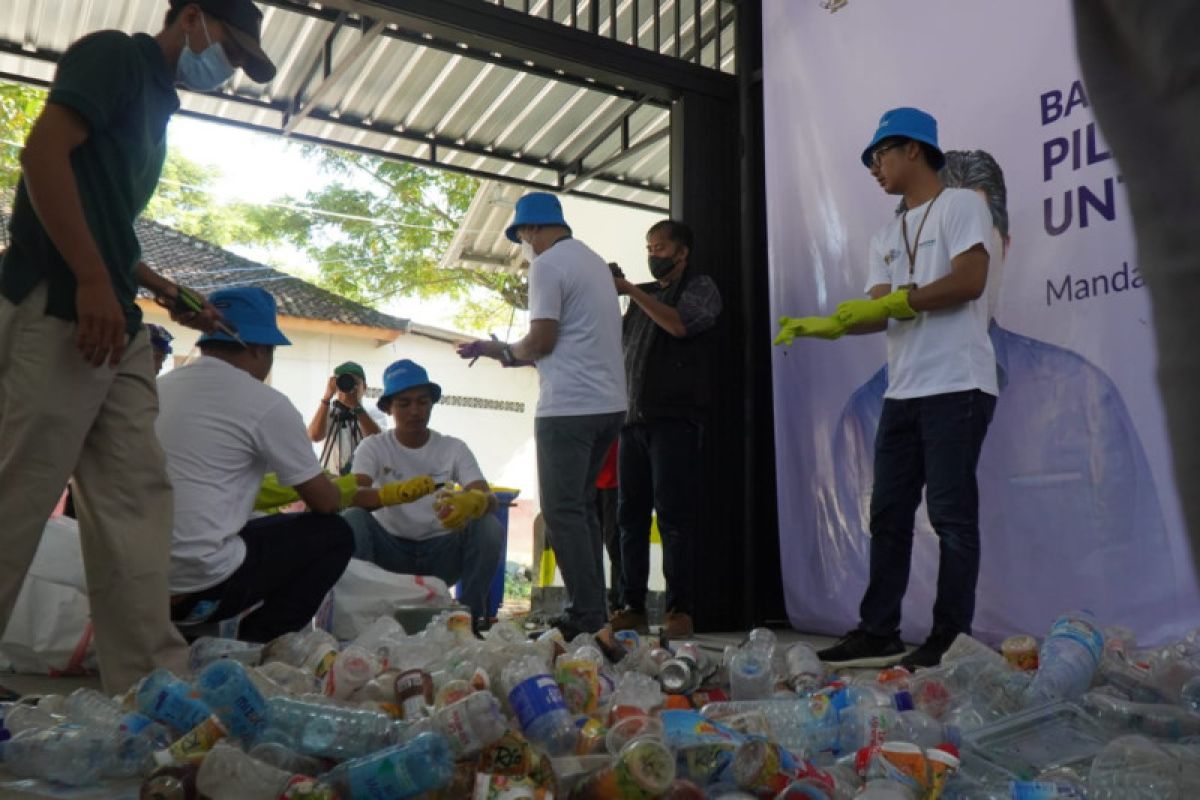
<point x="317" y="729"/>
<point x="163" y="697"/>
<point x="539" y="705"/>
<point x="1153" y="719"/>
<point x="384" y="638"/>
<point x="230" y="774"/>
<point x="351" y="670"/>
<point x="404" y="770"/>
<point x="208" y="649"/>
<point x="804" y="670"/>
<point x="228" y="690"/>
<point x="1136" y="768"/>
<point x="863" y="726"/>
<point x="20" y="717"/>
<point x="750" y="676"/>
<point x="1067" y="660"/>
<point x="806" y="725"/>
<point x="68" y="754"/>
<point x="134" y="736"/>
<point x="469" y="724"/>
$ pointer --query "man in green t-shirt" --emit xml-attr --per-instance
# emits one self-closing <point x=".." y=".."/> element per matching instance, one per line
<point x="77" y="393"/>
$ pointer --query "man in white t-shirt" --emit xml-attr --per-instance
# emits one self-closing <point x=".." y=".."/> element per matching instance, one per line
<point x="928" y="276"/>
<point x="453" y="535"/>
<point x="574" y="340"/>
<point x="223" y="429"/>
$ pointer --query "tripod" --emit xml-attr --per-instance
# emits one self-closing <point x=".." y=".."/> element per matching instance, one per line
<point x="343" y="423"/>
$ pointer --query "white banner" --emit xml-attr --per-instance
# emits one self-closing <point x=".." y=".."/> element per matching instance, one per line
<point x="1077" y="503"/>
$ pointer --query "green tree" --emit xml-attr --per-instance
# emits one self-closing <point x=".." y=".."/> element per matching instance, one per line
<point x="183" y="200"/>
<point x="19" y="107"/>
<point x="382" y="229"/>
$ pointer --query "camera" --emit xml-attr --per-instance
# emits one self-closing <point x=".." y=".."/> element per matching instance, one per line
<point x="346" y="382"/>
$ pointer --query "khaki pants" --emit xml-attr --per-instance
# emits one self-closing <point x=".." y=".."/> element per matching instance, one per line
<point x="60" y="417"/>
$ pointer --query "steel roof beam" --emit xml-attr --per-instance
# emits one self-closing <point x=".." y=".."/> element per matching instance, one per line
<point x="618" y="123"/>
<point x="490" y="55"/>
<point x="493" y="28"/>
<point x="331" y="74"/>
<point x="431" y="162"/>
<point x="597" y="172"/>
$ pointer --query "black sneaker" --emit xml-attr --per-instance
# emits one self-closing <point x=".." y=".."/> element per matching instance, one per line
<point x="930" y="653"/>
<point x="860" y="649"/>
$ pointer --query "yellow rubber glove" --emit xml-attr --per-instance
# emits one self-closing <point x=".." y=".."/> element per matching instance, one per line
<point x="456" y="510"/>
<point x="820" y="327"/>
<point x="272" y="496"/>
<point x="397" y="492"/>
<point x="858" y="312"/>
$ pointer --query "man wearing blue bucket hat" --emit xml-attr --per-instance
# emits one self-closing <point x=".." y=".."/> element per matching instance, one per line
<point x="223" y="429"/>
<point x="453" y="535"/>
<point x="575" y="341"/>
<point x="928" y="277"/>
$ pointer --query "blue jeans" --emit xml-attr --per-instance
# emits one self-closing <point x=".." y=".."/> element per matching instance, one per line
<point x="660" y="471"/>
<point x="471" y="554"/>
<point x="570" y="452"/>
<point x="931" y="442"/>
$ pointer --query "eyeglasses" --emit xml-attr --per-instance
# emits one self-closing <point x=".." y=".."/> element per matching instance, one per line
<point x="877" y="153"/>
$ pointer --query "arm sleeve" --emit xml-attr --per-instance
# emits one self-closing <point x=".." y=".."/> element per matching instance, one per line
<point x="366" y="460"/>
<point x="466" y="468"/>
<point x="877" y="269"/>
<point x="700" y="305"/>
<point x="94" y="76"/>
<point x="282" y="439"/>
<point x="545" y="291"/>
<point x="967" y="222"/>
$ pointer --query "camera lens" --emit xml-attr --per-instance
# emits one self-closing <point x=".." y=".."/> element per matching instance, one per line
<point x="346" y="382"/>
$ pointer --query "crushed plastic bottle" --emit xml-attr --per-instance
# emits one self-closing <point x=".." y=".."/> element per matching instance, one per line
<point x="404" y="770"/>
<point x="1067" y="660"/>
<point x="134" y="737"/>
<point x="1160" y="720"/>
<point x="68" y="754"/>
<point x="227" y="689"/>
<point x="165" y="698"/>
<point x="1136" y="768"/>
<point x="539" y="706"/>
<point x="804" y="670"/>
<point x="319" y="729"/>
<point x="230" y="774"/>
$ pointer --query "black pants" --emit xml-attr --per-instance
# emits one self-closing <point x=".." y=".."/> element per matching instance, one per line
<point x="606" y="509"/>
<point x="292" y="560"/>
<point x="931" y="442"/>
<point x="659" y="470"/>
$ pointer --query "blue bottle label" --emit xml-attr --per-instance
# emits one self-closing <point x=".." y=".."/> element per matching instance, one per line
<point x="535" y="697"/>
<point x="178" y="708"/>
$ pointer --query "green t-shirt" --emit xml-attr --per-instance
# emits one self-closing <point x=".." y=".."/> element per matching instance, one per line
<point x="122" y="87"/>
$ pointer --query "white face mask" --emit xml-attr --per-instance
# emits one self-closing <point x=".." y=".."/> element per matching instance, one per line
<point x="206" y="70"/>
<point x="527" y="252"/>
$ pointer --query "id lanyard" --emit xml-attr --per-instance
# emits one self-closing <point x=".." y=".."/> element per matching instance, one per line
<point x="911" y="250"/>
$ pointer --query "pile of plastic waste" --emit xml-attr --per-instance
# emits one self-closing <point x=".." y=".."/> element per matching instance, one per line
<point x="445" y="714"/>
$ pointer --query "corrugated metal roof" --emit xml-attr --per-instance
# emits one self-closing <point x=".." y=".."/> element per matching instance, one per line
<point x="396" y="92"/>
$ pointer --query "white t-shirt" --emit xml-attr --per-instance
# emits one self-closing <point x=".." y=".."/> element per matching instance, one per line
<point x="443" y="458"/>
<point x="585" y="374"/>
<point x="946" y="350"/>
<point x="222" y="430"/>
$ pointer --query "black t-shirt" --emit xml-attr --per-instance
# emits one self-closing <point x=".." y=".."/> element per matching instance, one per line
<point x="122" y="87"/>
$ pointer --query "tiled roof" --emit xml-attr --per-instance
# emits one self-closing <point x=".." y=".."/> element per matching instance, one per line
<point x="197" y="264"/>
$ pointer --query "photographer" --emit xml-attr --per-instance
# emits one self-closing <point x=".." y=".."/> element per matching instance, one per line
<point x="350" y="421"/>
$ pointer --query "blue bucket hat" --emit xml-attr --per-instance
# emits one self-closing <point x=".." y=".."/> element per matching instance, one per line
<point x="536" y="208"/>
<point x="251" y="311"/>
<point x="909" y="123"/>
<point x="402" y="375"/>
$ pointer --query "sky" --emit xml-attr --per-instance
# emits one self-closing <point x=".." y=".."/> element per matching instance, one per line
<point x="257" y="168"/>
